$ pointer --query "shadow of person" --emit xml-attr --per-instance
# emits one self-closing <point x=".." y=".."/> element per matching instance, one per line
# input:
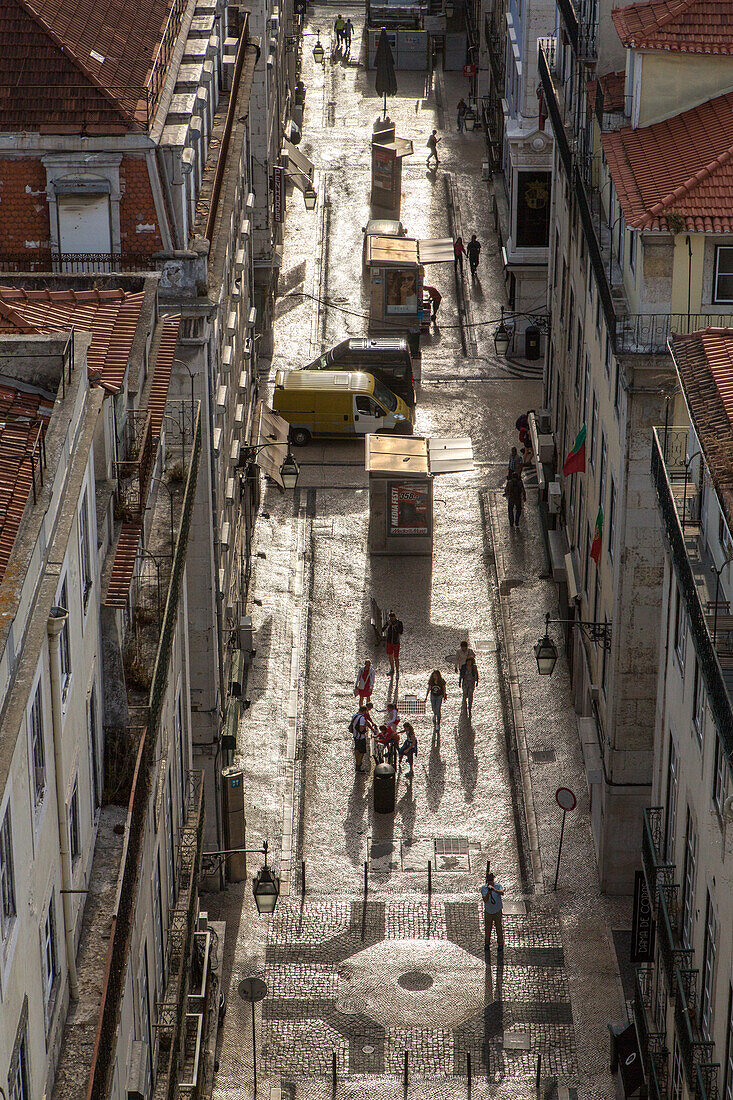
<point x="354" y="828"/>
<point x="466" y="753"/>
<point x="435" y="785"/>
<point x="478" y="290"/>
<point x="407" y="808"/>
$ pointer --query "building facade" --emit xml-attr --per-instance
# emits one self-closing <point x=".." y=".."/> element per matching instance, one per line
<point x="634" y="239"/>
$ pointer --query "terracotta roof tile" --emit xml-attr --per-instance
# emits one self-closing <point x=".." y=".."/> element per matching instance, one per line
<point x="123" y="567"/>
<point x="72" y="64"/>
<point x="613" y="86"/>
<point x="162" y="373"/>
<point x="23" y="420"/>
<point x="683" y="165"/>
<point x="685" y="26"/>
<point x="111" y="316"/>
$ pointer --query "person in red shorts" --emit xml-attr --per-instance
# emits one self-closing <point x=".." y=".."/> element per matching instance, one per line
<point x="364" y="685"/>
<point x="392" y="634"/>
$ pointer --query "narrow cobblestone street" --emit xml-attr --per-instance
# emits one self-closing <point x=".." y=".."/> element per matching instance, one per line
<point x="392" y="973"/>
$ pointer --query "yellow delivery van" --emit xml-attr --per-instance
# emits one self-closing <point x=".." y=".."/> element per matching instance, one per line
<point x="316" y="402"/>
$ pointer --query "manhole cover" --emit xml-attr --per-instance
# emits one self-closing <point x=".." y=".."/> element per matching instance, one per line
<point x="415" y="980"/>
<point x="367" y="1050"/>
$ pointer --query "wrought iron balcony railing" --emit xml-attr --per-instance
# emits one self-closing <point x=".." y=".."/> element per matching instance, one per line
<point x="674" y="955"/>
<point x="570" y="21"/>
<point x="658" y="1073"/>
<point x="706" y="1082"/>
<point x="657" y="871"/>
<point x="681" y="550"/>
<point x="546" y="60"/>
<point x="695" y="1050"/>
<point x="649" y="333"/>
<point x="48" y="260"/>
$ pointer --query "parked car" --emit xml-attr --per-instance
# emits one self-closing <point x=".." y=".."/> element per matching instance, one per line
<point x="380" y="227"/>
<point x="337" y="403"/>
<point x="387" y="358"/>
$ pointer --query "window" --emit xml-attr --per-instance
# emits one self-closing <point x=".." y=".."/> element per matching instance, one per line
<point x="586" y="558"/>
<point x="93" y="747"/>
<point x="580" y="515"/>
<point x="680" y="631"/>
<point x="728" y="1078"/>
<point x="50" y="961"/>
<point x="180" y="734"/>
<point x="38" y="752"/>
<point x="688" y="881"/>
<point x="602" y="471"/>
<point x="596" y="596"/>
<point x="724" y="536"/>
<point x="74" y="835"/>
<point x="562" y="288"/>
<point x="670" y="817"/>
<point x="720" y="778"/>
<point x="64" y="645"/>
<point x="604" y="666"/>
<point x="677" y="1072"/>
<point x="586" y="389"/>
<point x="698" y="703"/>
<point x="593" y="429"/>
<point x="611" y="518"/>
<point x="7" y="877"/>
<point x="158" y="928"/>
<point x="709" y="953"/>
<point x="171" y="844"/>
<point x="607" y="356"/>
<point x="571" y="319"/>
<point x="723" y="280"/>
<point x="616" y="387"/>
<point x="18" y="1081"/>
<point x="578" y="356"/>
<point x="632" y="250"/>
<point x="84" y="552"/>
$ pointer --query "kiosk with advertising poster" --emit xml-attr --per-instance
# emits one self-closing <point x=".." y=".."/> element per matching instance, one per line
<point x="396" y="269"/>
<point x="401" y="471"/>
<point x="388" y="153"/>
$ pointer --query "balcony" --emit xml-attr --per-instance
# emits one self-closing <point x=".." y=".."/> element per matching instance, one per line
<point x="554" y="100"/>
<point x="706" y="1082"/>
<point x="696" y="1052"/>
<point x="47" y="260"/>
<point x="679" y="505"/>
<point x="570" y="21"/>
<point x="653" y="1052"/>
<point x="657" y="871"/>
<point x="648" y="333"/>
<point x="673" y="955"/>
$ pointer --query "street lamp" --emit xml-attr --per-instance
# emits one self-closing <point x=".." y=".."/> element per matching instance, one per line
<point x="265" y="888"/>
<point x="310" y="198"/>
<point x="717" y="572"/>
<point x="469" y="119"/>
<point x="289" y="471"/>
<point x="318" y="51"/>
<point x="545" y="650"/>
<point x="502" y="337"/>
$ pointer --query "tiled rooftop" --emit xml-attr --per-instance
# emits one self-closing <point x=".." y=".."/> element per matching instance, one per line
<point x="23" y="418"/>
<point x="681" y="166"/>
<point x="74" y="63"/>
<point x="111" y="316"/>
<point x="613" y="86"/>
<point x="704" y="362"/>
<point x="684" y="26"/>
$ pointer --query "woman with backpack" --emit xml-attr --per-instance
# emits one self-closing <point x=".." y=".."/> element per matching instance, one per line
<point x="359" y="726"/>
<point x="437" y="692"/>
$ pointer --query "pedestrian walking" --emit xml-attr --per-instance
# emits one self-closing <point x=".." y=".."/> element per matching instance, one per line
<point x="470" y="680"/>
<point x="348" y="33"/>
<point x="364" y="684"/>
<point x="461" y="110"/>
<point x="409" y="747"/>
<point x="437" y="692"/>
<point x="339" y="26"/>
<point x="432" y="144"/>
<point x="458" y="253"/>
<point x="359" y="726"/>
<point x="392" y="634"/>
<point x="464" y="652"/>
<point x="491" y="894"/>
<point x="435" y="299"/>
<point x="515" y="496"/>
<point x="515" y="462"/>
<point x="473" y="251"/>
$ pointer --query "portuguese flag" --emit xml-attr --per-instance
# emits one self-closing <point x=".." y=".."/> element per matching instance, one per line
<point x="575" y="462"/>
<point x="595" y="550"/>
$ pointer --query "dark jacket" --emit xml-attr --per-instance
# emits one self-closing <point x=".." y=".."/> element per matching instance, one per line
<point x="392" y="632"/>
<point x="514" y="490"/>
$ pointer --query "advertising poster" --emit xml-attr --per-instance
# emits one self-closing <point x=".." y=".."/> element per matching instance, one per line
<point x="382" y="168"/>
<point x="408" y="509"/>
<point x="278" y="192"/>
<point x="401" y="292"/>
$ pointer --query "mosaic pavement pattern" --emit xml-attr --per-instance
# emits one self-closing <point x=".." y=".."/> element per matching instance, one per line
<point x="372" y="980"/>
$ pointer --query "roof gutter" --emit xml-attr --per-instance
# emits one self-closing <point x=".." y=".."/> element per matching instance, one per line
<point x="242" y="49"/>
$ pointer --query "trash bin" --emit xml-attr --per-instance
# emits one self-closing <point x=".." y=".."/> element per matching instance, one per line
<point x="384" y="789"/>
<point x="532" y="342"/>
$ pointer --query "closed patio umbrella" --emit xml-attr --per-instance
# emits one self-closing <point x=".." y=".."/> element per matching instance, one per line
<point x="386" y="79"/>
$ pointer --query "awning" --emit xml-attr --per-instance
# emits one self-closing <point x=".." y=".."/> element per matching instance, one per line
<point x="450" y="456"/>
<point x="301" y="169"/>
<point x="270" y="429"/>
<point x="391" y="250"/>
<point x="438" y="250"/>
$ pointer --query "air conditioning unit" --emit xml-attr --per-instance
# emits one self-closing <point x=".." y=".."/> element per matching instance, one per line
<point x="221" y="399"/>
<point x="245" y="637"/>
<point x="230" y="491"/>
<point x="542" y="416"/>
<point x="554" y="497"/>
<point x="226" y="534"/>
<point x="237" y="677"/>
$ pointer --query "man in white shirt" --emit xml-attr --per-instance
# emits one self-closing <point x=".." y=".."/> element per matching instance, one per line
<point x="492" y="893"/>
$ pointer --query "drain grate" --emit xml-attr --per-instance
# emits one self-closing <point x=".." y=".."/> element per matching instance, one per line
<point x="451" y="846"/>
<point x="543" y="756"/>
<point x="411" y="704"/>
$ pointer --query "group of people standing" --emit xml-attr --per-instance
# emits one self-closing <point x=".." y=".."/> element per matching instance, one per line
<point x="344" y="30"/>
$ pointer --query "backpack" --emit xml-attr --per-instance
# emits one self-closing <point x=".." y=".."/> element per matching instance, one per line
<point x="353" y="726"/>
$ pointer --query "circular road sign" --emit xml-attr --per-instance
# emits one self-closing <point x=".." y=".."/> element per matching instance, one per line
<point x="252" y="989"/>
<point x="565" y="798"/>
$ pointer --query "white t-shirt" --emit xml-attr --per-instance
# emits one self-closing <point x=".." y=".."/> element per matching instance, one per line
<point x="492" y="899"/>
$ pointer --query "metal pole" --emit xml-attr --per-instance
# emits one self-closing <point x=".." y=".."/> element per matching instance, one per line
<point x="559" y="848"/>
<point x="430" y="876"/>
<point x="715" y="609"/>
<point x="366" y="878"/>
<point x="254" y="1051"/>
<point x="406" y="1081"/>
<point x="302" y="880"/>
<point x="468" y="1070"/>
<point x="334" y="1077"/>
<point x="538" y="1079"/>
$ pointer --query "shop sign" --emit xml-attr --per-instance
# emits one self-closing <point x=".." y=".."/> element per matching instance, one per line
<point x="278" y="192"/>
<point x="408" y="505"/>
<point x="642" y="923"/>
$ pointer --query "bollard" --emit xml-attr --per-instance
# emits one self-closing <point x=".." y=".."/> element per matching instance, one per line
<point x="333" y="1070"/>
<point x="366" y="878"/>
<point x="468" y="1070"/>
<point x="302" y="877"/>
<point x="430" y="876"/>
<point x="538" y="1081"/>
<point x="406" y="1073"/>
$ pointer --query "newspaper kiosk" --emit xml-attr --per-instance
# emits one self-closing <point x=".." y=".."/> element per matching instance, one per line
<point x="396" y="270"/>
